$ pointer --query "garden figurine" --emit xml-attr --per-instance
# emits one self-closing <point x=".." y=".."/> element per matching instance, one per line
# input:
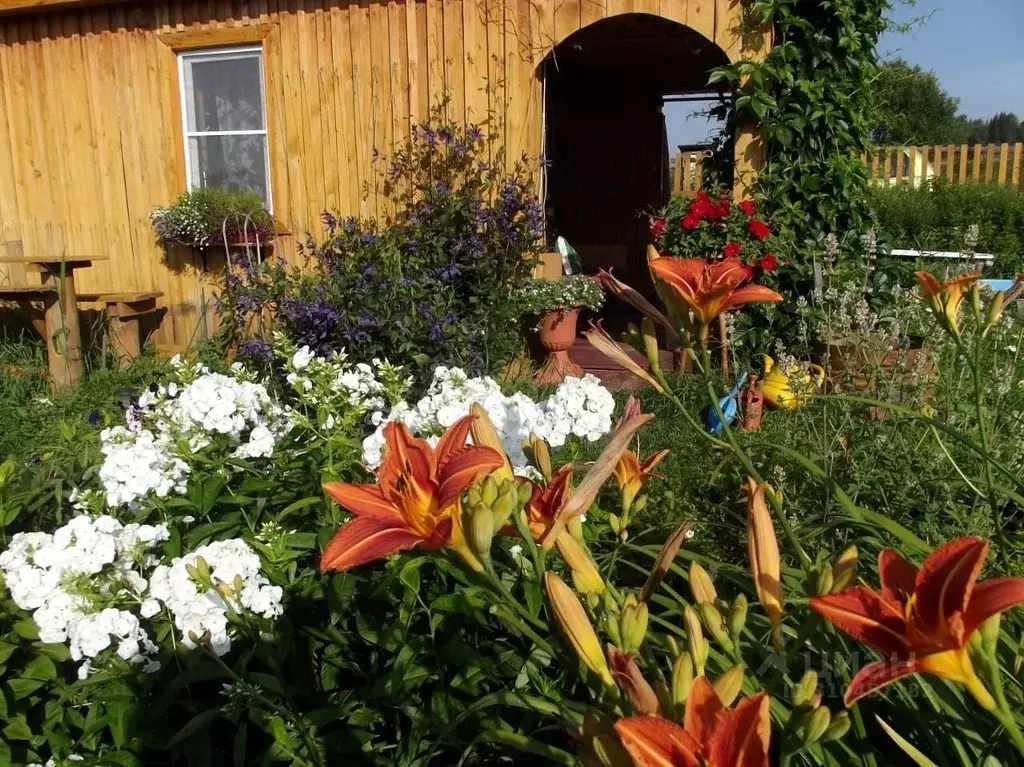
<point x="752" y="405"/>
<point x="729" y="405"/>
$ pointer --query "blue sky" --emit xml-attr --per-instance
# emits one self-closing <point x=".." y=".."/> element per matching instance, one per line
<point x="975" y="47"/>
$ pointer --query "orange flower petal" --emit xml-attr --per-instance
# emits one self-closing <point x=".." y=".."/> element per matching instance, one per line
<point x="404" y="453"/>
<point x="875" y="676"/>
<point x="867" y="617"/>
<point x="944" y="585"/>
<point x="452" y="441"/>
<point x="989" y="597"/>
<point x="898" y="577"/>
<point x="363" y="540"/>
<point x="929" y="283"/>
<point x="742" y="735"/>
<point x="702" y="708"/>
<point x="462" y="470"/>
<point x="655" y="742"/>
<point x="363" y="500"/>
<point x="749" y="294"/>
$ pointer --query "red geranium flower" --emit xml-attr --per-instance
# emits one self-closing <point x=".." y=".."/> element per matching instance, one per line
<point x="748" y="207"/>
<point x="723" y="209"/>
<point x="657" y="228"/>
<point x="758" y="228"/>
<point x="702" y="207"/>
<point x="769" y="263"/>
<point x="731" y="249"/>
<point x="690" y="221"/>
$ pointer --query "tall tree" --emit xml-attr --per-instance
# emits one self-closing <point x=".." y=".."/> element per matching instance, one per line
<point x="912" y="108"/>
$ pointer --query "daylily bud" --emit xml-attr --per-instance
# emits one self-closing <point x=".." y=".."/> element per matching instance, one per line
<point x="821" y="581"/>
<point x="486" y="435"/>
<point x="506" y="502"/>
<point x="803" y="693"/>
<point x="523" y="492"/>
<point x="976" y="302"/>
<point x="765" y="561"/>
<point x="650" y="341"/>
<point x="844" y="571"/>
<point x="729" y="684"/>
<point x="995" y="310"/>
<point x="737" y="617"/>
<point x="630" y="680"/>
<point x="538" y="454"/>
<point x="601" y="747"/>
<point x="575" y="528"/>
<point x="585" y="575"/>
<point x="633" y="622"/>
<point x="481" y="530"/>
<point x="698" y="646"/>
<point x="638" y="505"/>
<point x="665" y="558"/>
<point x="614" y="522"/>
<point x="815" y="724"/>
<point x="682" y="678"/>
<point x="716" y="625"/>
<point x="989" y="631"/>
<point x="488" y="490"/>
<point x="701" y="585"/>
<point x="573" y="621"/>
<point x="837" y="728"/>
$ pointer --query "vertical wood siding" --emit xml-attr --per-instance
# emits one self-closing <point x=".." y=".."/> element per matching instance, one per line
<point x="90" y="137"/>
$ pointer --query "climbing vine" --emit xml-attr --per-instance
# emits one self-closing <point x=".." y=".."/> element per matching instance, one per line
<point x="811" y="95"/>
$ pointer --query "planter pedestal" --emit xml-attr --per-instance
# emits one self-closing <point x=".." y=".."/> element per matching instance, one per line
<point x="557" y="335"/>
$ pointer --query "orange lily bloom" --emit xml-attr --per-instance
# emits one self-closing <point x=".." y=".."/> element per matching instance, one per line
<point x="415" y="501"/>
<point x="711" y="736"/>
<point x="922" y="620"/>
<point x="945" y="298"/>
<point x="707" y="288"/>
<point x="545" y="504"/>
<point x="631" y="474"/>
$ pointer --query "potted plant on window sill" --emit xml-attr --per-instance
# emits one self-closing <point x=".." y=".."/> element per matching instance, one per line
<point x="204" y="220"/>
<point x="557" y="304"/>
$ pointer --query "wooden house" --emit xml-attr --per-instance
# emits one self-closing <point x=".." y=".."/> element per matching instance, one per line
<point x="101" y="118"/>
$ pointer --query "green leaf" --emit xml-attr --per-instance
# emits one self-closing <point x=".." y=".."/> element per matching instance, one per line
<point x="22" y="688"/>
<point x="40" y="667"/>
<point x="17" y="729"/>
<point x="5" y="650"/>
<point x="194" y="725"/>
<point x="908" y="748"/>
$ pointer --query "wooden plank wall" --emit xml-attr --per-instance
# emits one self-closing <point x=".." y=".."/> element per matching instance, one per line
<point x="90" y="137"/>
<point x="958" y="163"/>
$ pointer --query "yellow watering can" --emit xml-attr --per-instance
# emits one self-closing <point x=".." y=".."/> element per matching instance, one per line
<point x="777" y="385"/>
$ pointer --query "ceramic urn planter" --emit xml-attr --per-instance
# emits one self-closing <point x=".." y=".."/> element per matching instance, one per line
<point x="557" y="335"/>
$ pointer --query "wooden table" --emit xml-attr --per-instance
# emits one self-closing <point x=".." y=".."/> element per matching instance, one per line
<point x="63" y="334"/>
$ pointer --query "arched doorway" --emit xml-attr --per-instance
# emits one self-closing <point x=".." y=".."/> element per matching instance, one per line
<point x="606" y="152"/>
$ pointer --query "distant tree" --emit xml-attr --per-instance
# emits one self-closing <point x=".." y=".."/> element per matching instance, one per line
<point x="912" y="108"/>
<point x="1004" y="128"/>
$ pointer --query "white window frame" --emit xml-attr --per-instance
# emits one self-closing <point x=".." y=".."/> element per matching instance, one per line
<point x="225" y="53"/>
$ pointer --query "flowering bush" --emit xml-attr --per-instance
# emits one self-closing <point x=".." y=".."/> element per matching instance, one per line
<point x="434" y="283"/>
<point x="575" y="290"/>
<point x="715" y="227"/>
<point x="206" y="217"/>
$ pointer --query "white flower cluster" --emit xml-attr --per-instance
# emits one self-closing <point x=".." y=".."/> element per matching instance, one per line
<point x="579" y="406"/>
<point x="201" y="588"/>
<point x="76" y="581"/>
<point x="51" y="762"/>
<point x="317" y="378"/>
<point x="144" y="457"/>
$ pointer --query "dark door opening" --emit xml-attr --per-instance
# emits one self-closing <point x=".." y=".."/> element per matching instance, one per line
<point x="607" y="155"/>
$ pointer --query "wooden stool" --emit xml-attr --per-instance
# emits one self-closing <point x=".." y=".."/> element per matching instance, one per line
<point x="123" y="312"/>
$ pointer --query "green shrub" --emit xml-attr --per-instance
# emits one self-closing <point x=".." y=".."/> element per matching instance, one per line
<point x="938" y="216"/>
<point x="205" y="217"/>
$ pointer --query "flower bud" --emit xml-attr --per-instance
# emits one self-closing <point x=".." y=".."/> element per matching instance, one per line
<point x="737" y="618"/>
<point x="614" y="522"/>
<point x="539" y="455"/>
<point x="506" y="502"/>
<point x="524" y="490"/>
<point x="488" y="490"/>
<point x="995" y="310"/>
<point x="989" y="631"/>
<point x="650" y="342"/>
<point x="486" y="435"/>
<point x="585" y="575"/>
<point x="823" y="581"/>
<point x="765" y="560"/>
<point x="682" y="679"/>
<point x="844" y="571"/>
<point x="729" y="684"/>
<point x="814" y="725"/>
<point x="716" y="625"/>
<point x="631" y="681"/>
<point x="696" y="643"/>
<point x="633" y="623"/>
<point x="803" y="693"/>
<point x="481" y="530"/>
<point x="701" y="585"/>
<point x="665" y="558"/>
<point x="638" y="505"/>
<point x="837" y="728"/>
<point x="976" y="302"/>
<point x="572" y="620"/>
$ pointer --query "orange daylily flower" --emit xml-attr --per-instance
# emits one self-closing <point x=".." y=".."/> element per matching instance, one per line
<point x="711" y="736"/>
<point x="922" y="620"/>
<point x="631" y="474"/>
<point x="707" y="288"/>
<point x="546" y="502"/>
<point x="415" y="501"/>
<point x="945" y="298"/>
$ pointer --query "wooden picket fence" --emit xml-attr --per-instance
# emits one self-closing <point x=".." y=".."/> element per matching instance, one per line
<point x="687" y="170"/>
<point x="958" y="163"/>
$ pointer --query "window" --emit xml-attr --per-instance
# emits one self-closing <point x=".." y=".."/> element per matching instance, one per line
<point x="225" y="121"/>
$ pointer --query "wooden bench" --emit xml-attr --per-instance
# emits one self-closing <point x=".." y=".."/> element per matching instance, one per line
<point x="123" y="312"/>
